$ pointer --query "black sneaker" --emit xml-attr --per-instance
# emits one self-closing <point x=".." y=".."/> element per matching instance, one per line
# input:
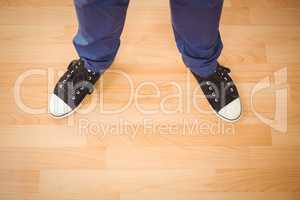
<point x="221" y="94"/>
<point x="71" y="89"/>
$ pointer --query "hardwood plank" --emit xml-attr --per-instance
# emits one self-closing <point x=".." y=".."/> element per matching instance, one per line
<point x="188" y="154"/>
<point x="51" y="158"/>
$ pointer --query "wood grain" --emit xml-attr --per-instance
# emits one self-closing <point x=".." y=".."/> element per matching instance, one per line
<point x="97" y="156"/>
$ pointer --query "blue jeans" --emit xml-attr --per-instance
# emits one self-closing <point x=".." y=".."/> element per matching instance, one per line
<point x="195" y="24"/>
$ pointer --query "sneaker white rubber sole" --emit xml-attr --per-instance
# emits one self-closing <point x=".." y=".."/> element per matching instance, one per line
<point x="58" y="109"/>
<point x="231" y="112"/>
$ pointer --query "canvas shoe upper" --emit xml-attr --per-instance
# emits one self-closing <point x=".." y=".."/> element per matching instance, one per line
<point x="74" y="85"/>
<point x="221" y="93"/>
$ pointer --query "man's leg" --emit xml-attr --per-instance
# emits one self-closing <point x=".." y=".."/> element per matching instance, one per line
<point x="100" y="26"/>
<point x="97" y="42"/>
<point x="196" y="28"/>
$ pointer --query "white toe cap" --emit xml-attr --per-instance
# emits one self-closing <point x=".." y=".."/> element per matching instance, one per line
<point x="231" y="111"/>
<point x="57" y="107"/>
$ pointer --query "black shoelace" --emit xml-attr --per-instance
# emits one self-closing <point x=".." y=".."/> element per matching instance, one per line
<point x="218" y="87"/>
<point x="76" y="83"/>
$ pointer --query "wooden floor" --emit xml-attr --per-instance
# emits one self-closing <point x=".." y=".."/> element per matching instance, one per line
<point x="92" y="156"/>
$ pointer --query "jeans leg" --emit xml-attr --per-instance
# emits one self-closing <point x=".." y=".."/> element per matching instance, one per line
<point x="196" y="28"/>
<point x="100" y="26"/>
